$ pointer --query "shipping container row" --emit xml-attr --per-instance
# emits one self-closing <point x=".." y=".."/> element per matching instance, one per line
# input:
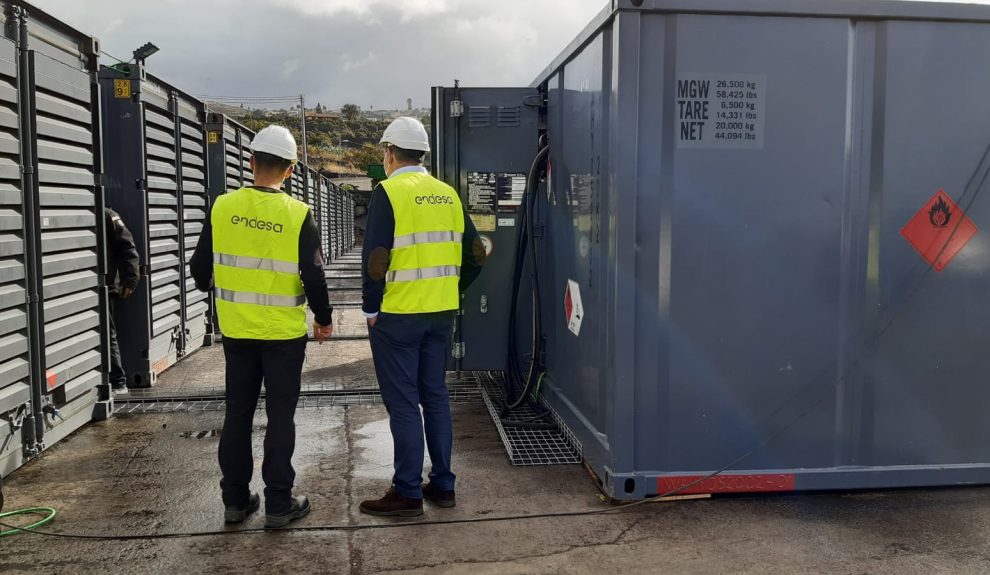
<point x="76" y="137"/>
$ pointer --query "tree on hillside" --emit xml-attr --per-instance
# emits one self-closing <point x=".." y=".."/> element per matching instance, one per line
<point x="364" y="156"/>
<point x="351" y="112"/>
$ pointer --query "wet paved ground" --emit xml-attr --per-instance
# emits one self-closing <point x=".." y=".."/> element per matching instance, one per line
<point x="149" y="474"/>
<point x="158" y="474"/>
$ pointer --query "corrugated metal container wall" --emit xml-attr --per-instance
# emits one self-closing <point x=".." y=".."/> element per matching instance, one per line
<point x="349" y="226"/>
<point x="324" y="210"/>
<point x="731" y="189"/>
<point x="62" y="232"/>
<point x="157" y="185"/>
<point x="312" y="193"/>
<point x="336" y="219"/>
<point x="191" y="115"/>
<point x="295" y="186"/>
<point x="70" y="210"/>
<point x="15" y="373"/>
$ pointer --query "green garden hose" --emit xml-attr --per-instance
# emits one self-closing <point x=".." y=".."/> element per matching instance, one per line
<point x="51" y="513"/>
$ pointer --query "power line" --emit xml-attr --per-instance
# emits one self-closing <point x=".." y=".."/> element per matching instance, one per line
<point x="112" y="57"/>
<point x="252" y="98"/>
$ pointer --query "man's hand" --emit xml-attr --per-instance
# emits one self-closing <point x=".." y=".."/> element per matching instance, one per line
<point x="322" y="332"/>
<point x="126" y="293"/>
<point x="372" y="321"/>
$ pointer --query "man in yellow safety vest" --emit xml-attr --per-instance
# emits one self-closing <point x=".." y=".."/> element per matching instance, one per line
<point x="420" y="252"/>
<point x="260" y="252"/>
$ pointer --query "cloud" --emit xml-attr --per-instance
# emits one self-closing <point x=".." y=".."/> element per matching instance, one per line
<point x="112" y="26"/>
<point x="350" y="64"/>
<point x="370" y="10"/>
<point x="289" y="68"/>
<point x="368" y="52"/>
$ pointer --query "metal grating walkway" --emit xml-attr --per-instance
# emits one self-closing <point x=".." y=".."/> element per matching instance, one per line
<point x="463" y="390"/>
<point x="555" y="446"/>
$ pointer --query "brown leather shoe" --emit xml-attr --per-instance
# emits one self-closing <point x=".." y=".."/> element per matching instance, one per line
<point x="393" y="505"/>
<point x="445" y="499"/>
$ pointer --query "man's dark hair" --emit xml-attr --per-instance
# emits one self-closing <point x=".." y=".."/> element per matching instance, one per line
<point x="270" y="163"/>
<point x="404" y="155"/>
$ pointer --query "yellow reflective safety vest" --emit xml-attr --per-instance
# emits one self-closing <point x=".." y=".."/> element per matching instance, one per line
<point x="259" y="293"/>
<point x="425" y="264"/>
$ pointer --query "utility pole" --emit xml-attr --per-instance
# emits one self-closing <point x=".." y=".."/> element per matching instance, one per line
<point x="302" y="110"/>
<point x="307" y="185"/>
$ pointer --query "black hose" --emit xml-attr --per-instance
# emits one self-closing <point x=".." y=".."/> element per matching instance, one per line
<point x="525" y="239"/>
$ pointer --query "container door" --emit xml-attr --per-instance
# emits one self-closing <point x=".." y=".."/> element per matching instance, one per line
<point x="71" y="310"/>
<point x="485" y="142"/>
<point x="164" y="260"/>
<point x="194" y="213"/>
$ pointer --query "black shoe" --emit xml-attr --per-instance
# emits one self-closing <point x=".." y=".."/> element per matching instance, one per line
<point x="299" y="509"/>
<point x="393" y="505"/>
<point x="438" y="497"/>
<point x="238" y="514"/>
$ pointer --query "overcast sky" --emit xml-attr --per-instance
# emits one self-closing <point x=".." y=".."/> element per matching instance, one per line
<point x="368" y="52"/>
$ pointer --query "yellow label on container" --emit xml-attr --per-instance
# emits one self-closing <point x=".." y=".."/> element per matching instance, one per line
<point x="122" y="89"/>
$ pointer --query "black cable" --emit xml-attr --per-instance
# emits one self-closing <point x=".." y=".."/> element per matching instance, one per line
<point x="525" y="236"/>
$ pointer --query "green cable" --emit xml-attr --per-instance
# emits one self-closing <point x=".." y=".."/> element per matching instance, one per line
<point x="29" y="511"/>
<point x="539" y="382"/>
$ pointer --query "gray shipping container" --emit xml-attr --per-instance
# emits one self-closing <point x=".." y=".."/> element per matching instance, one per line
<point x="52" y="299"/>
<point x="157" y="183"/>
<point x="746" y="195"/>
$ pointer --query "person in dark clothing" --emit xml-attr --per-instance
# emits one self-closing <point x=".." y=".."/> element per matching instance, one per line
<point x="421" y="251"/>
<point x="260" y="251"/>
<point x="123" y="277"/>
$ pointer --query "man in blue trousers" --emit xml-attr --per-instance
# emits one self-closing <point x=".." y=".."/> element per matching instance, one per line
<point x="420" y="252"/>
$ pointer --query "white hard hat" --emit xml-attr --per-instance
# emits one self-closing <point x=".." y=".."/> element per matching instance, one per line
<point x="407" y="133"/>
<point x="277" y="141"/>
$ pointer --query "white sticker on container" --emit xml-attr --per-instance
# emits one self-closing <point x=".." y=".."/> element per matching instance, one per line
<point x="720" y="111"/>
<point x="573" y="307"/>
<point x="507" y="222"/>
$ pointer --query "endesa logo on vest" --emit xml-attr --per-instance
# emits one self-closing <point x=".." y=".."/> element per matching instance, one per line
<point x="256" y="224"/>
<point x="434" y="200"/>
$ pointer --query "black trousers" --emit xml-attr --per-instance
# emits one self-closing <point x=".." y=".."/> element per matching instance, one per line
<point x="118" y="377"/>
<point x="279" y="365"/>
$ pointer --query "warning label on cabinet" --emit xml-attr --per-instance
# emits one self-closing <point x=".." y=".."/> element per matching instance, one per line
<point x="482" y="201"/>
<point x="720" y="110"/>
<point x="493" y="193"/>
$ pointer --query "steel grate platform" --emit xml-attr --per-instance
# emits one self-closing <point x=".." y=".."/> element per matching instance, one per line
<point x="530" y="447"/>
<point x="463" y="390"/>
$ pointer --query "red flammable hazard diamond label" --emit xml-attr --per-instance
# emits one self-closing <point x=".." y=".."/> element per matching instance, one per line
<point x="939" y="231"/>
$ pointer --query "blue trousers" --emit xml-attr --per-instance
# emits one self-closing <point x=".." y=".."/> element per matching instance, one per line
<point x="410" y="354"/>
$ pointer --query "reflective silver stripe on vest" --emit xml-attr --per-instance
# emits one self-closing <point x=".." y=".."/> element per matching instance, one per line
<point x="264" y="264"/>
<point x="419" y="238"/>
<point x="231" y="296"/>
<point x="423" y="274"/>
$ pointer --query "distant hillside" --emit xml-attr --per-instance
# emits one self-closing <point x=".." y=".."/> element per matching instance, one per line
<point x="228" y="110"/>
<point x="342" y="142"/>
